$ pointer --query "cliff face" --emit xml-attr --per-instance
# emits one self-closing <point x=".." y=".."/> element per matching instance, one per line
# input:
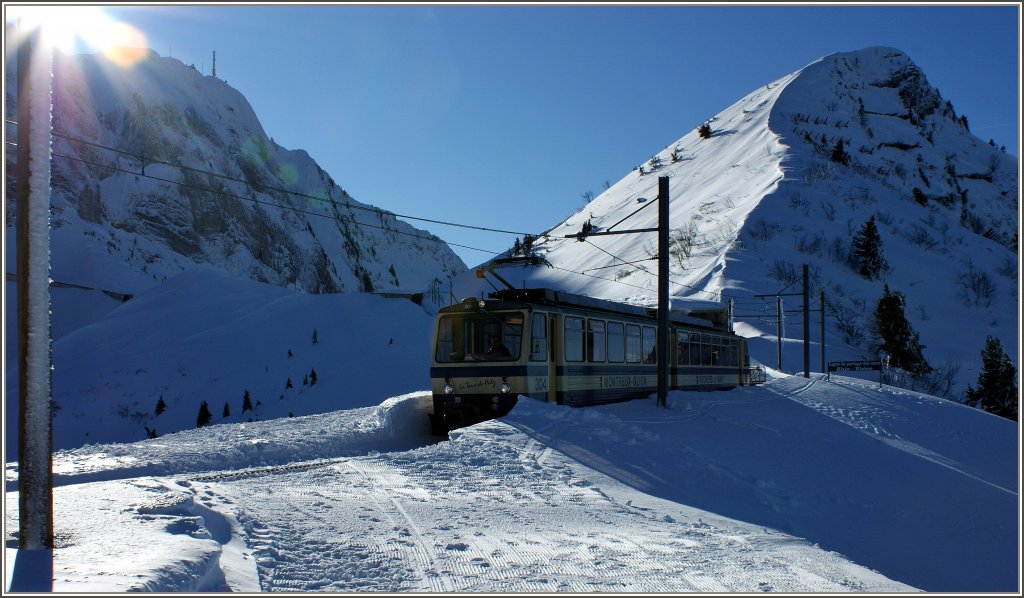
<point x="901" y="135"/>
<point x="158" y="169"/>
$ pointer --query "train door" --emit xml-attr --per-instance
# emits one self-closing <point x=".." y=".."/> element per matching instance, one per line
<point x="555" y="349"/>
<point x="542" y="357"/>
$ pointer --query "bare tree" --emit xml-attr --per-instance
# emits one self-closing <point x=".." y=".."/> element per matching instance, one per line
<point x="684" y="241"/>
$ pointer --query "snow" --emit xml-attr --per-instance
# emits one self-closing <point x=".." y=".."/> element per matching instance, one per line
<point x="800" y="485"/>
<point x="210" y="337"/>
<point x="763" y="201"/>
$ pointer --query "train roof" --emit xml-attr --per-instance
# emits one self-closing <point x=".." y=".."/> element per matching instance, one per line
<point x="703" y="314"/>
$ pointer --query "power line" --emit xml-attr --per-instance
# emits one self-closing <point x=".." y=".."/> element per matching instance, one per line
<point x="255" y="200"/>
<point x="646" y="204"/>
<point x="633" y="263"/>
<point x="267" y="203"/>
<point x="329" y="201"/>
<point x="141" y="159"/>
<point x="311" y="213"/>
<point x="615" y="257"/>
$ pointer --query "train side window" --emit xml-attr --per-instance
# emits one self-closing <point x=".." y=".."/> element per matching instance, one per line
<point x="596" y="341"/>
<point x="682" y="347"/>
<point x="632" y="343"/>
<point x="512" y="334"/>
<point x="705" y="349"/>
<point x="539" y="338"/>
<point x="574" y="339"/>
<point x="445" y="340"/>
<point x="694" y="349"/>
<point x="616" y="342"/>
<point x="650" y="352"/>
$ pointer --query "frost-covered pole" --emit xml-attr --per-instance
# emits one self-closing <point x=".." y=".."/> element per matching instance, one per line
<point x="35" y="432"/>
<point x="663" y="301"/>
<point x="778" y="325"/>
<point x="823" y="368"/>
<point x="807" y="326"/>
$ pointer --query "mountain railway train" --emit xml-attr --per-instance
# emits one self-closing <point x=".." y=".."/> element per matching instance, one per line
<point x="570" y="350"/>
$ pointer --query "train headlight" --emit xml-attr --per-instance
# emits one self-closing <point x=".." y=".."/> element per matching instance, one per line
<point x="505" y="388"/>
<point x="448" y="389"/>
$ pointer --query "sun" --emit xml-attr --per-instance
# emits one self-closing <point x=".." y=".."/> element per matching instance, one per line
<point x="77" y="29"/>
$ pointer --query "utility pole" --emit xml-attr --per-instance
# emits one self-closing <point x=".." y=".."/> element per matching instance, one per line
<point x="35" y="426"/>
<point x="778" y="326"/>
<point x="807" y="319"/>
<point x="823" y="369"/>
<point x="663" y="300"/>
<point x="663" y="343"/>
<point x="807" y="326"/>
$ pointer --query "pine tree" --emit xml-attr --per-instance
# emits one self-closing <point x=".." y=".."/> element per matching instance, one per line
<point x="997" y="382"/>
<point x="839" y="154"/>
<point x="246" y="402"/>
<point x="528" y="244"/>
<point x="204" y="416"/>
<point x="312" y="377"/>
<point x="227" y="410"/>
<point x="898" y="338"/>
<point x="288" y="384"/>
<point x="161" y="406"/>
<point x="704" y="131"/>
<point x="919" y="196"/>
<point x="314" y="336"/>
<point x="867" y="251"/>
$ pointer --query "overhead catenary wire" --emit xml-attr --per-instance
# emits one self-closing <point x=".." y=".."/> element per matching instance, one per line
<point x="328" y="216"/>
<point x="329" y="201"/>
<point x="268" y="203"/>
<point x="613" y="256"/>
<point x="624" y="262"/>
<point x="630" y="215"/>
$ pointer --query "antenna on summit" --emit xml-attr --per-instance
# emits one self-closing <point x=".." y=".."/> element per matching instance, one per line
<point x="214" y="73"/>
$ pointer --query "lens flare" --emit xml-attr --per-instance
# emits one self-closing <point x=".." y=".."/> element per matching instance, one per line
<point x="82" y="29"/>
<point x="128" y="45"/>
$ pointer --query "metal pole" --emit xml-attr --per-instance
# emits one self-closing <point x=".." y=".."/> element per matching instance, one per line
<point x="663" y="300"/>
<point x="823" y="331"/>
<point x="778" y="326"/>
<point x="35" y="424"/>
<point x="807" y="327"/>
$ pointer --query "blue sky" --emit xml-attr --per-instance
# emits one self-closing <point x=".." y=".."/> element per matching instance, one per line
<point x="502" y="116"/>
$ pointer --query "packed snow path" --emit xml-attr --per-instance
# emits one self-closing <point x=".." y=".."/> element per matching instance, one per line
<point x="524" y="520"/>
<point x="796" y="486"/>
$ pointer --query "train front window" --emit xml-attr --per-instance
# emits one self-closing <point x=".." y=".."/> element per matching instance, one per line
<point x="479" y="337"/>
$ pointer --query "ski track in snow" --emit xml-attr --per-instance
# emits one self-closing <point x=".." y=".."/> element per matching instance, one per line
<point x="388" y="523"/>
<point x="867" y="420"/>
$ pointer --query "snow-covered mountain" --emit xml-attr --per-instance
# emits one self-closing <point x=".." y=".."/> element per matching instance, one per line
<point x="166" y="190"/>
<point x="159" y="169"/>
<point x="749" y="205"/>
<point x="762" y="195"/>
<point x="795" y="485"/>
